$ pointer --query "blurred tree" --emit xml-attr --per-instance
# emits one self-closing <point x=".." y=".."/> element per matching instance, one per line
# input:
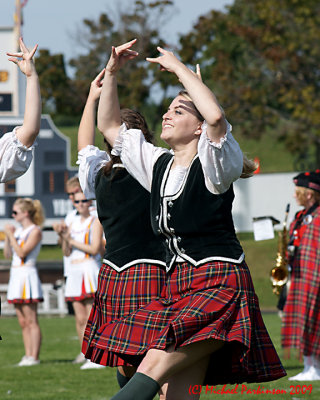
<point x="54" y="84"/>
<point x="262" y="59"/>
<point x="142" y="20"/>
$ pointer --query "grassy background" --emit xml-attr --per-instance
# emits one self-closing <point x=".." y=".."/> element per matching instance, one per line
<point x="260" y="257"/>
<point x="57" y="378"/>
<point x="273" y="155"/>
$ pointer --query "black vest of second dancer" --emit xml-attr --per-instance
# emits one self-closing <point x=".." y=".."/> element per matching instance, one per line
<point x="196" y="224"/>
<point x="123" y="207"/>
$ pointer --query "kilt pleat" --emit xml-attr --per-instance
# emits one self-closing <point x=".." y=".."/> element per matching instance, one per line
<point x="301" y="320"/>
<point x="214" y="301"/>
<point x="119" y="294"/>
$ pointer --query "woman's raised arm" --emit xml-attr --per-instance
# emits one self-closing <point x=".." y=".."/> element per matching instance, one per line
<point x="86" y="132"/>
<point x="28" y="132"/>
<point x="202" y="97"/>
<point x="109" y="119"/>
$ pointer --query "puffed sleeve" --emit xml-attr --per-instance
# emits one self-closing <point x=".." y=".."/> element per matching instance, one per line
<point x="137" y="155"/>
<point x="15" y="157"/>
<point x="221" y="162"/>
<point x="90" y="161"/>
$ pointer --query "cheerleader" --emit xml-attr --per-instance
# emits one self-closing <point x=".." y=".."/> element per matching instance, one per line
<point x="16" y="146"/>
<point x="82" y="244"/>
<point x="206" y="326"/>
<point x="24" y="289"/>
<point x="133" y="269"/>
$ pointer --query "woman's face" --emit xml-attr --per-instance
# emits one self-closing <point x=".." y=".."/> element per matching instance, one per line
<point x="180" y="124"/>
<point x="18" y="214"/>
<point x="71" y="190"/>
<point x="81" y="203"/>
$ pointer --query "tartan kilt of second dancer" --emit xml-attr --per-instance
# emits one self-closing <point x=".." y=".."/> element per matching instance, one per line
<point x="119" y="294"/>
<point x="213" y="301"/>
<point x="301" y="319"/>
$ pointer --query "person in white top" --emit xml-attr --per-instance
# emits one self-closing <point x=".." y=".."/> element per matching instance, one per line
<point x="72" y="186"/>
<point x="16" y="146"/>
<point x="206" y="326"/>
<point x="24" y="289"/>
<point x="82" y="243"/>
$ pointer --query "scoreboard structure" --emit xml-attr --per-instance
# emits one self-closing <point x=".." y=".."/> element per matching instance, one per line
<point x="12" y="81"/>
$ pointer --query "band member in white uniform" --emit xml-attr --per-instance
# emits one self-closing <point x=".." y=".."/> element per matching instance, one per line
<point x="82" y="243"/>
<point x="16" y="146"/>
<point x="24" y="289"/>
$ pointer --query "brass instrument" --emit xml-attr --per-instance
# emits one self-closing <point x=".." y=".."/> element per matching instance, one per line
<point x="279" y="274"/>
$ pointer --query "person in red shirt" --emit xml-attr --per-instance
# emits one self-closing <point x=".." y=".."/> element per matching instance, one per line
<point x="301" y="319"/>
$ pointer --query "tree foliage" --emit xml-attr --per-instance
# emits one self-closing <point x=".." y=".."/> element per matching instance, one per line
<point x="262" y="59"/>
<point x="141" y="20"/>
<point x="54" y="84"/>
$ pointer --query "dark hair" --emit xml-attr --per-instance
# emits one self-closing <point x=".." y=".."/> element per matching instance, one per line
<point x="249" y="166"/>
<point x="133" y="120"/>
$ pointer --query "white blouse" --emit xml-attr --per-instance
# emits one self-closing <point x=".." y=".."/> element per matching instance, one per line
<point x="15" y="158"/>
<point x="221" y="162"/>
<point x="90" y="161"/>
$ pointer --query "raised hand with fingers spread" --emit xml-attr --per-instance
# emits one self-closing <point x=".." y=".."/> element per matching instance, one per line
<point x="120" y="55"/>
<point x="24" y="58"/>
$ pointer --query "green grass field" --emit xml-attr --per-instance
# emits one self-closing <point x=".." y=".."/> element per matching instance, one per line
<point x="260" y="257"/>
<point x="273" y="155"/>
<point x="56" y="378"/>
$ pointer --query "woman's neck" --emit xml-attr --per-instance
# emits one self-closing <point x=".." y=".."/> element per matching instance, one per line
<point x="84" y="216"/>
<point x="25" y="223"/>
<point x="183" y="156"/>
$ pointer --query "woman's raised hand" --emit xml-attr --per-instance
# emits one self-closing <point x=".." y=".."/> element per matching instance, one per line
<point x="120" y="55"/>
<point x="168" y="61"/>
<point x="96" y="85"/>
<point x="198" y="72"/>
<point x="24" y="58"/>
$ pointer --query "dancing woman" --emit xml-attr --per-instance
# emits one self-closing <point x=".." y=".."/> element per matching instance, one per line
<point x="133" y="269"/>
<point x="206" y="327"/>
<point x="24" y="289"/>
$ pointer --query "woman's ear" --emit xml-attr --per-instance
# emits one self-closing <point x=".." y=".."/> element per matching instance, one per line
<point x="199" y="129"/>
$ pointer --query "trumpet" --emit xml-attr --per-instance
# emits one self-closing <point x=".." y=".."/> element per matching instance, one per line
<point x="279" y="274"/>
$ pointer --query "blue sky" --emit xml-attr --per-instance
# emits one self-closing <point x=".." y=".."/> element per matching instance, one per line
<point x="50" y="23"/>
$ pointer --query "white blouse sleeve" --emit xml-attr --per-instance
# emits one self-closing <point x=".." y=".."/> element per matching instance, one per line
<point x="137" y="155"/>
<point x="221" y="162"/>
<point x="90" y="161"/>
<point x="15" y="157"/>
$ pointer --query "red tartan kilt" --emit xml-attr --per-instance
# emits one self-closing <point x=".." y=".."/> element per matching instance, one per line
<point x="301" y="319"/>
<point x="217" y="301"/>
<point x="119" y="294"/>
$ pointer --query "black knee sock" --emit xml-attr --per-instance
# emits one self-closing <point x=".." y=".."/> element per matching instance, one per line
<point x="140" y="387"/>
<point x="122" y="379"/>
